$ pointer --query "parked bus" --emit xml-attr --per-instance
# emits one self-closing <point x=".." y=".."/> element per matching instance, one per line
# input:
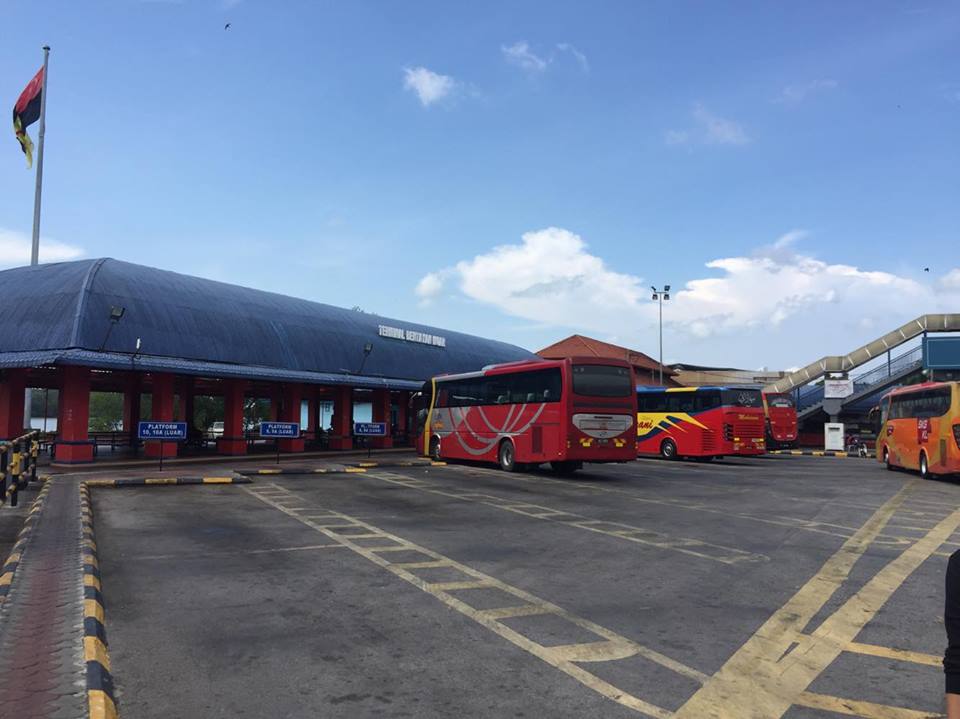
<point x="781" y="420"/>
<point x="920" y="428"/>
<point x="565" y="412"/>
<point x="702" y="422"/>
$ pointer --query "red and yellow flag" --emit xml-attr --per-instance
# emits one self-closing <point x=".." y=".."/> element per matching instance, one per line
<point x="26" y="111"/>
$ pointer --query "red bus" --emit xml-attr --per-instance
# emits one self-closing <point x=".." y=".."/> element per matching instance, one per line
<point x="704" y="422"/>
<point x="781" y="424"/>
<point x="920" y="428"/>
<point x="565" y="412"/>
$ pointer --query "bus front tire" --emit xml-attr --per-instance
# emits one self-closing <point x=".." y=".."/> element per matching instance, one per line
<point x="507" y="456"/>
<point x="886" y="460"/>
<point x="668" y="449"/>
<point x="924" y="466"/>
<point x="435" y="449"/>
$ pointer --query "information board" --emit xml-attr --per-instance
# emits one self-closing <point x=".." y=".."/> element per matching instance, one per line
<point x="284" y="430"/>
<point x="166" y="431"/>
<point x="370" y="429"/>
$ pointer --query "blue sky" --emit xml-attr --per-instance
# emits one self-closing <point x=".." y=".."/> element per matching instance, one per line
<point x="516" y="170"/>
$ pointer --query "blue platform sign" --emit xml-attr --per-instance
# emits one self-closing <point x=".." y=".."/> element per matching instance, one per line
<point x="166" y="431"/>
<point x="283" y="430"/>
<point x="370" y="429"/>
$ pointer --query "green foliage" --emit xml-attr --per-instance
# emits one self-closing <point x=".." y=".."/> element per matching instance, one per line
<point x="36" y="402"/>
<point x="206" y="411"/>
<point x="106" y="411"/>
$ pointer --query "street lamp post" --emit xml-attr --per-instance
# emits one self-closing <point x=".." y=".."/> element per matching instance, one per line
<point x="660" y="296"/>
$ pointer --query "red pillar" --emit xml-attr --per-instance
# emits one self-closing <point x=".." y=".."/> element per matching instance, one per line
<point x="162" y="412"/>
<point x="12" y="387"/>
<point x="403" y="399"/>
<point x="131" y="405"/>
<point x="290" y="412"/>
<point x="381" y="413"/>
<point x="341" y="431"/>
<point x="233" y="441"/>
<point x="72" y="424"/>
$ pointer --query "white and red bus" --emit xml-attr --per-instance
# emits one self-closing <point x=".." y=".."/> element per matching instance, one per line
<point x="565" y="412"/>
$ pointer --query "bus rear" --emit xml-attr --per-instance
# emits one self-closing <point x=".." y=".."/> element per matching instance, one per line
<point x="781" y="420"/>
<point x="743" y="421"/>
<point x="600" y="412"/>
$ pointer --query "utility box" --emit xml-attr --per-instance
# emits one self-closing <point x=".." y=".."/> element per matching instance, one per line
<point x="833" y="436"/>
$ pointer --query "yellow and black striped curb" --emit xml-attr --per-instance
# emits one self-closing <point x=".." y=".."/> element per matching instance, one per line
<point x="151" y="481"/>
<point x="16" y="552"/>
<point x="100" y="698"/>
<point x="357" y="468"/>
<point x="820" y="453"/>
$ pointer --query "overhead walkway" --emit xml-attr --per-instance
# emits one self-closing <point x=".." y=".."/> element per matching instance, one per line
<point x="869" y="351"/>
<point x="866" y="386"/>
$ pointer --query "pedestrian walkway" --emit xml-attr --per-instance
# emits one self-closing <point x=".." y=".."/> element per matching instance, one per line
<point x="42" y="616"/>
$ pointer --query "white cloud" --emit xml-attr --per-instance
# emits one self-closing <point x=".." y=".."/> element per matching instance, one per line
<point x="15" y="249"/>
<point x="709" y="129"/>
<point x="951" y="280"/>
<point x="551" y="277"/>
<point x="795" y="94"/>
<point x="519" y="54"/>
<point x="429" y="86"/>
<point x="578" y="56"/>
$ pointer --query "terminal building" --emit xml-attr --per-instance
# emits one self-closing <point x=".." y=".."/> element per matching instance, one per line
<point x="109" y="326"/>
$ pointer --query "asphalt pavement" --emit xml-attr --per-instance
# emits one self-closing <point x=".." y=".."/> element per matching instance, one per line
<point x="766" y="587"/>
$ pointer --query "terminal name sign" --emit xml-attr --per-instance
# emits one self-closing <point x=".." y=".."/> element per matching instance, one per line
<point x="424" y="338"/>
<point x="370" y="429"/>
<point x="166" y="431"/>
<point x="280" y="429"/>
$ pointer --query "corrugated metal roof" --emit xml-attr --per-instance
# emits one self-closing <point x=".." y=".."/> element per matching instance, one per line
<point x="192" y="325"/>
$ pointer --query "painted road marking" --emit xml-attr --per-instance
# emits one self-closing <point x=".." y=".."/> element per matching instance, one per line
<point x="610" y="646"/>
<point x="617" y="530"/>
<point x="834" y="530"/>
<point x="236" y="553"/>
<point x="867" y="710"/>
<point x="903" y="655"/>
<point x="772" y="670"/>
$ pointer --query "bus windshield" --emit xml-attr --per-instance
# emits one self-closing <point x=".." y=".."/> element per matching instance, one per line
<point x="779" y="400"/>
<point x="595" y="380"/>
<point x="741" y="398"/>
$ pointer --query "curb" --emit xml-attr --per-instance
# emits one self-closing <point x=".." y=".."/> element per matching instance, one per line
<point x="821" y="453"/>
<point x="358" y="468"/>
<point x="152" y="481"/>
<point x="16" y="551"/>
<point x="100" y="699"/>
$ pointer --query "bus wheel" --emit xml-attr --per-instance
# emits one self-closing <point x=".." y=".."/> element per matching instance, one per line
<point x="886" y="459"/>
<point x="435" y="449"/>
<point x="507" y="456"/>
<point x="924" y="467"/>
<point x="668" y="449"/>
<point x="564" y="468"/>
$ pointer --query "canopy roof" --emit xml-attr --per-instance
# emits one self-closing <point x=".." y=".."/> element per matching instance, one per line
<point x="60" y="314"/>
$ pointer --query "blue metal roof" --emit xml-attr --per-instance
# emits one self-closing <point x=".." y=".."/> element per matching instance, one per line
<point x="59" y="313"/>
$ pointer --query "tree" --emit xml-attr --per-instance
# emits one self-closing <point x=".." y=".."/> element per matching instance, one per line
<point x="106" y="411"/>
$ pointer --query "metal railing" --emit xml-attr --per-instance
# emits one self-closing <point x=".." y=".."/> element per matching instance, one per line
<point x="812" y="395"/>
<point x="18" y="465"/>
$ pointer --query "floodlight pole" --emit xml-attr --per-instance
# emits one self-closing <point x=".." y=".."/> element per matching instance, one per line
<point x="660" y="296"/>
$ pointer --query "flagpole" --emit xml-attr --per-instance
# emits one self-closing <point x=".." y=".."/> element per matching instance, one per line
<point x="35" y="249"/>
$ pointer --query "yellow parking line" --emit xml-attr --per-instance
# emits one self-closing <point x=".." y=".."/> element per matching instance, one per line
<point x="772" y="670"/>
<point x="610" y="643"/>
<point x="903" y="655"/>
<point x="867" y="710"/>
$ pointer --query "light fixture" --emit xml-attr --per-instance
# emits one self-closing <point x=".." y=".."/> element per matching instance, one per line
<point x="116" y="313"/>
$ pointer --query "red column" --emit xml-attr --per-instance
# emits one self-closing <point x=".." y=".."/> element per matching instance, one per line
<point x="290" y="412"/>
<point x="403" y="399"/>
<point x="12" y="387"/>
<point x="341" y="432"/>
<point x="74" y="417"/>
<point x="131" y="405"/>
<point x="381" y="413"/>
<point x="233" y="441"/>
<point x="162" y="412"/>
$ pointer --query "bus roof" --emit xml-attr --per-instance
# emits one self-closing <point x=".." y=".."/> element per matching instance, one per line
<point x="918" y="387"/>
<point x="535" y="364"/>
